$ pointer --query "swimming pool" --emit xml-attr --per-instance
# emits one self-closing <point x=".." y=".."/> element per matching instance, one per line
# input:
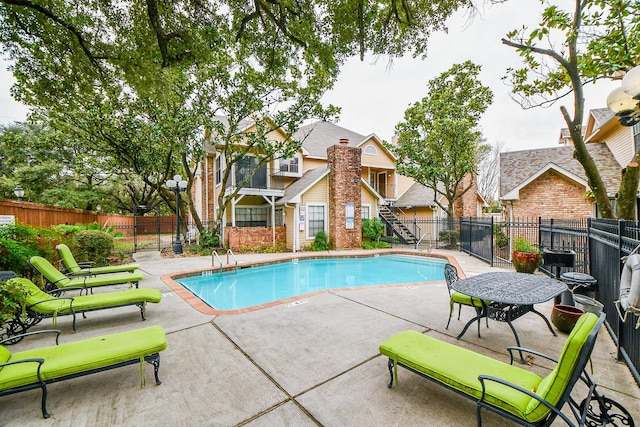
<point x="248" y="287"/>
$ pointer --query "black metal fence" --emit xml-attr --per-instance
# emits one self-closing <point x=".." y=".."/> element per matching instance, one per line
<point x="599" y="246"/>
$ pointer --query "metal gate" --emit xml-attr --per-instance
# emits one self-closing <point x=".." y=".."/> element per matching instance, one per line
<point x="146" y="229"/>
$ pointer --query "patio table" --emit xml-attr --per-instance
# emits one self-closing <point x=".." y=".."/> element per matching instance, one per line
<point x="512" y="295"/>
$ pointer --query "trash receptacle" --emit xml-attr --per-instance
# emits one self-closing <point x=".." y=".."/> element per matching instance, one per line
<point x="580" y="284"/>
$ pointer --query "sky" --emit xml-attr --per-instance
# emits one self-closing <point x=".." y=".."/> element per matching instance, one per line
<point x="373" y="94"/>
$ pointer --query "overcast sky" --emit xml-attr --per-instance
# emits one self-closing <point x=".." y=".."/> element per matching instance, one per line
<point x="374" y="96"/>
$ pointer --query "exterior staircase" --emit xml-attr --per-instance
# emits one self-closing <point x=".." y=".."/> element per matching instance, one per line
<point x="403" y="233"/>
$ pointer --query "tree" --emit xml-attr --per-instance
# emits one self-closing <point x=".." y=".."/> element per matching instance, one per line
<point x="439" y="141"/>
<point x="598" y="40"/>
<point x="140" y="81"/>
<point x="489" y="174"/>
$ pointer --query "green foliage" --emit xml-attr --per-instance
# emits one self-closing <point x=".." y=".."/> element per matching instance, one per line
<point x="500" y="239"/>
<point x="449" y="237"/>
<point x="522" y="244"/>
<point x="321" y="242"/>
<point x="372" y="244"/>
<point x="14" y="256"/>
<point x="372" y="229"/>
<point x="439" y="141"/>
<point x="94" y="245"/>
<point x="209" y="240"/>
<point x="12" y="300"/>
<point x="566" y="51"/>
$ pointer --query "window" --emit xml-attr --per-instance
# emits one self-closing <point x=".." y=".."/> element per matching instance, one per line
<point x="370" y="150"/>
<point x="252" y="216"/>
<point x="218" y="167"/>
<point x="365" y="211"/>
<point x="245" y="167"/>
<point x="315" y="219"/>
<point x="289" y="165"/>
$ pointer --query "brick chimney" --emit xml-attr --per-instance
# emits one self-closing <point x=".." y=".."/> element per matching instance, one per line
<point x="345" y="198"/>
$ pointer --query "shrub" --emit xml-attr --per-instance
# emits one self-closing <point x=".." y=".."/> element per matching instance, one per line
<point x="209" y="240"/>
<point x="14" y="256"/>
<point x="500" y="238"/>
<point x="94" y="245"/>
<point x="450" y="237"/>
<point x="12" y="299"/>
<point x="321" y="242"/>
<point x="372" y="229"/>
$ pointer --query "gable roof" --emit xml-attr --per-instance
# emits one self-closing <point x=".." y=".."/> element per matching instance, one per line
<point x="317" y="137"/>
<point x="518" y="167"/>
<point x="417" y="195"/>
<point x="293" y="192"/>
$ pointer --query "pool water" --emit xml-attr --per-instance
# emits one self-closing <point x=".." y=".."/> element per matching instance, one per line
<point x="248" y="287"/>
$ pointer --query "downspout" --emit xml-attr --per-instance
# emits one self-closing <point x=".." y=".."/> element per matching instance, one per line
<point x="510" y="229"/>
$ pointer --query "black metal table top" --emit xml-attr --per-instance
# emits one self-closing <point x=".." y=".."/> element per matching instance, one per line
<point x="510" y="288"/>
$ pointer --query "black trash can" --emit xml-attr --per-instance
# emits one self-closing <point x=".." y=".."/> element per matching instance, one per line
<point x="578" y="283"/>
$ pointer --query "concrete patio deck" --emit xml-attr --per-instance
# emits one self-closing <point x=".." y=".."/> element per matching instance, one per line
<point x="315" y="362"/>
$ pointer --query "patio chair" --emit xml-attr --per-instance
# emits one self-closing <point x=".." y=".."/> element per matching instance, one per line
<point x="510" y="391"/>
<point x="40" y="305"/>
<point x="32" y="369"/>
<point x="72" y="268"/>
<point x="56" y="280"/>
<point x="451" y="275"/>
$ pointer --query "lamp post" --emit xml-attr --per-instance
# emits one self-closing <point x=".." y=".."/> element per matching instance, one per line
<point x="625" y="100"/>
<point x="177" y="184"/>
<point x="19" y="192"/>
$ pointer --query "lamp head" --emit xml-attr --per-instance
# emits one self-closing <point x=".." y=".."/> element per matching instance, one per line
<point x="171" y="183"/>
<point x="18" y="191"/>
<point x="631" y="83"/>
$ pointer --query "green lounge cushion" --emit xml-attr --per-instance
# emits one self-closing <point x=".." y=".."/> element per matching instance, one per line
<point x="72" y="266"/>
<point x="61" y="281"/>
<point x="43" y="303"/>
<point x="459" y="369"/>
<point x="81" y="356"/>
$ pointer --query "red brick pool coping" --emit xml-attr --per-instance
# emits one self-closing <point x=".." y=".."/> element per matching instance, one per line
<point x="195" y="302"/>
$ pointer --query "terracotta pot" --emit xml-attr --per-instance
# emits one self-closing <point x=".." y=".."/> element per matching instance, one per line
<point x="525" y="262"/>
<point x="564" y="317"/>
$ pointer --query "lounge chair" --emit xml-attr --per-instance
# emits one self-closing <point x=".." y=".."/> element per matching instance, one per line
<point x="72" y="268"/>
<point x="31" y="369"/>
<point x="40" y="305"/>
<point x="513" y="392"/>
<point x="56" y="280"/>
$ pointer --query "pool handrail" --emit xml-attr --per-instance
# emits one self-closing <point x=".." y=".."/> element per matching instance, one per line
<point x="214" y="256"/>
<point x="229" y="252"/>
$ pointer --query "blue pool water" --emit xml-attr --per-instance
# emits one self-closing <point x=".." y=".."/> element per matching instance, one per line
<point x="248" y="287"/>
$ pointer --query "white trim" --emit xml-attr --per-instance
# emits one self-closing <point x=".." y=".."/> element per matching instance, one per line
<point x="296" y="198"/>
<point x="368" y="205"/>
<point x="370" y="150"/>
<point x="515" y="193"/>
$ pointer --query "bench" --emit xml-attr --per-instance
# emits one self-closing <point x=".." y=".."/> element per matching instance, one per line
<point x="511" y="391"/>
<point x="36" y="368"/>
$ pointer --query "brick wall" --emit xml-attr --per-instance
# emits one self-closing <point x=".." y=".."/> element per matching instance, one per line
<point x="467" y="205"/>
<point x="253" y="238"/>
<point x="552" y="195"/>
<point x="344" y="187"/>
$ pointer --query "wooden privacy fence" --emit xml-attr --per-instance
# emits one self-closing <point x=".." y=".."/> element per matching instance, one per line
<point x="40" y="215"/>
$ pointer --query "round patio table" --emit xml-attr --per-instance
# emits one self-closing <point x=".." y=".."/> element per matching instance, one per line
<point x="512" y="295"/>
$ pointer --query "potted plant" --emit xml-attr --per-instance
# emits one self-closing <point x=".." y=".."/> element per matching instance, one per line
<point x="526" y="257"/>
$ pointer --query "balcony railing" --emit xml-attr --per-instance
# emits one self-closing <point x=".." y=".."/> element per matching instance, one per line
<point x="264" y="179"/>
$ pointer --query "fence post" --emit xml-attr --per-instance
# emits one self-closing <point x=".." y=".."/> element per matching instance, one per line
<point x="621" y="227"/>
<point x="492" y="241"/>
<point x="587" y="255"/>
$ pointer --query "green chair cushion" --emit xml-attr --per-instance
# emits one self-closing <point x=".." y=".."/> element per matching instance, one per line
<point x="554" y="384"/>
<point x="459" y="369"/>
<point x="80" y="356"/>
<point x="459" y="298"/>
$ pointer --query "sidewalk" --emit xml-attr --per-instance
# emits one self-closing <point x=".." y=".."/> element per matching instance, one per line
<point x="315" y="362"/>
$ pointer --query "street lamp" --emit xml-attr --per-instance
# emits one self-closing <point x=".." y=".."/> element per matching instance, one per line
<point x="19" y="192"/>
<point x="177" y="184"/>
<point x="625" y="100"/>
